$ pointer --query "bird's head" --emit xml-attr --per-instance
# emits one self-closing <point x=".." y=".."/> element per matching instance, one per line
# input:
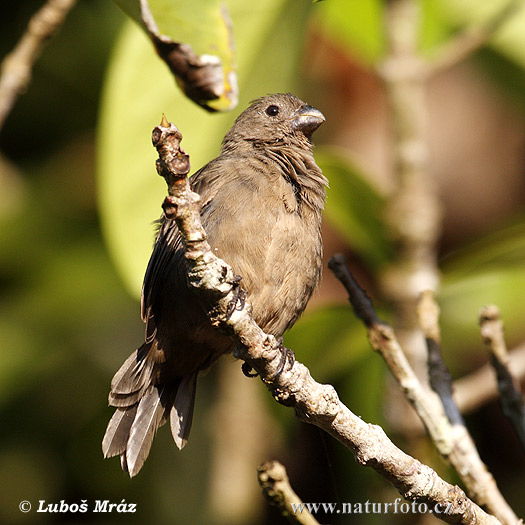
<point x="274" y="119"/>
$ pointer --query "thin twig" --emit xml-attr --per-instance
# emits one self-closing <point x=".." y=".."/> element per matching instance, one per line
<point x="452" y="441"/>
<point x="512" y="402"/>
<point x="440" y="378"/>
<point x="476" y="389"/>
<point x="293" y="386"/>
<point x="279" y="493"/>
<point x="16" y="67"/>
<point x="470" y="40"/>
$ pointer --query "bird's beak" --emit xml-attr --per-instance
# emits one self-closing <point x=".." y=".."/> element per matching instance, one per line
<point x="307" y="119"/>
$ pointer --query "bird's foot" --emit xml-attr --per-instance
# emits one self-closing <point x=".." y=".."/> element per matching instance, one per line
<point x="239" y="298"/>
<point x="286" y="363"/>
<point x="287" y="359"/>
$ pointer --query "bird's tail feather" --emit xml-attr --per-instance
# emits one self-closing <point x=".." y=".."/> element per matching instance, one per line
<point x="142" y="407"/>
<point x="181" y="414"/>
<point x="133" y="378"/>
<point x="117" y="434"/>
<point x="150" y="415"/>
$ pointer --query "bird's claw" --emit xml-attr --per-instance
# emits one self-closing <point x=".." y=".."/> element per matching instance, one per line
<point x="287" y="357"/>
<point x="239" y="299"/>
<point x="248" y="370"/>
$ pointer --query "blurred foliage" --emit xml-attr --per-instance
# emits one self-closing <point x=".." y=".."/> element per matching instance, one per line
<point x="66" y="319"/>
<point x="509" y="41"/>
<point x="361" y="223"/>
<point x="489" y="270"/>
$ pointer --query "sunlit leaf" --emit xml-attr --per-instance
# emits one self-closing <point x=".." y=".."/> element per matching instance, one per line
<point x="328" y="340"/>
<point x="510" y="37"/>
<point x="195" y="40"/>
<point x="354" y="207"/>
<point x="358" y="26"/>
<point x="434" y="28"/>
<point x="138" y="90"/>
<point x="490" y="271"/>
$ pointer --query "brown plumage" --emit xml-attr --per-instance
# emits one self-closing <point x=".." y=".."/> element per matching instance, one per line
<point x="262" y="199"/>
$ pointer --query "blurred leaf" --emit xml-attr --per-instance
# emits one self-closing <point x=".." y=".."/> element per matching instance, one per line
<point x="358" y="26"/>
<point x="507" y="74"/>
<point x="501" y="248"/>
<point x="490" y="271"/>
<point x="509" y="39"/>
<point x="138" y="91"/>
<point x="434" y="27"/>
<point x="354" y="207"/>
<point x="363" y="386"/>
<point x="328" y="340"/>
<point x="195" y="40"/>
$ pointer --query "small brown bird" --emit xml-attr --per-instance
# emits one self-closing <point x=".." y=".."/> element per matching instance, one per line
<point x="262" y="199"/>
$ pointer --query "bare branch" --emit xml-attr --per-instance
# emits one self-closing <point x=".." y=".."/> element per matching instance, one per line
<point x="452" y="441"/>
<point x="292" y="386"/>
<point x="512" y="402"/>
<point x="440" y="378"/>
<point x="470" y="40"/>
<point x="413" y="212"/>
<point x="16" y="67"/>
<point x="279" y="493"/>
<point x="478" y="388"/>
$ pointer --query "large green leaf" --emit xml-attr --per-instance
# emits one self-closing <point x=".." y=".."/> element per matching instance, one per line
<point x="354" y="207"/>
<point x="139" y="89"/>
<point x="195" y="40"/>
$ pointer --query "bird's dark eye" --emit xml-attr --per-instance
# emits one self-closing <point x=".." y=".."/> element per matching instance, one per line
<point x="272" y="110"/>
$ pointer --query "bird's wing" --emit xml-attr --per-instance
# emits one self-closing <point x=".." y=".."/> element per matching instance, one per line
<point x="168" y="243"/>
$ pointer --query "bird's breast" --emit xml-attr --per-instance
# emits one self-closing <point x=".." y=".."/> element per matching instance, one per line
<point x="273" y="243"/>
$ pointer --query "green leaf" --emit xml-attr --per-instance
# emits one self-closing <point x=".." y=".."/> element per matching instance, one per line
<point x="434" y="27"/>
<point x="328" y="340"/>
<point x="195" y="40"/>
<point x="509" y="39"/>
<point x="489" y="271"/>
<point x="354" y="207"/>
<point x="138" y="90"/>
<point x="357" y="26"/>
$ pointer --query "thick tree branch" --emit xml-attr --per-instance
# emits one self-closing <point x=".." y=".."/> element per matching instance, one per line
<point x="279" y="493"/>
<point x="293" y="385"/>
<point x="453" y="442"/>
<point x="512" y="402"/>
<point x="16" y="67"/>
